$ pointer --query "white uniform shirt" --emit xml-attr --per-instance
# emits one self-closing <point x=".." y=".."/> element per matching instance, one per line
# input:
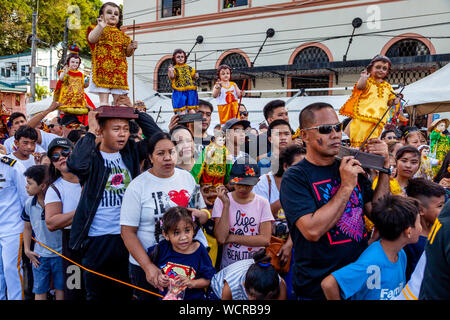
<point x="13" y="196"/>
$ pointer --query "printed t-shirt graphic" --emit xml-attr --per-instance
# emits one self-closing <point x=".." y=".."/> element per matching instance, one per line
<point x="107" y="217"/>
<point x="351" y="224"/>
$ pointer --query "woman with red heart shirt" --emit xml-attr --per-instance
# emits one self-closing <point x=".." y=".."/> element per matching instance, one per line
<point x="146" y="200"/>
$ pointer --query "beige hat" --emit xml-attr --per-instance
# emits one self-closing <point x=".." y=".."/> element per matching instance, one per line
<point x="435" y="123"/>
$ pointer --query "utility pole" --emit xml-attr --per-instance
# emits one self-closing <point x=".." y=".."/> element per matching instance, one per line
<point x="33" y="58"/>
<point x="65" y="46"/>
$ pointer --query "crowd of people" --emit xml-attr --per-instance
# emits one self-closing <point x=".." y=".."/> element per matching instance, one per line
<point x="245" y="213"/>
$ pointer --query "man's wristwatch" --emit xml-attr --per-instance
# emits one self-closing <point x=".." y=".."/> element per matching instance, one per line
<point x="387" y="171"/>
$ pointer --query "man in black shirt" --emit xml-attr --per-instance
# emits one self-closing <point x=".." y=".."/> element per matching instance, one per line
<point x="325" y="201"/>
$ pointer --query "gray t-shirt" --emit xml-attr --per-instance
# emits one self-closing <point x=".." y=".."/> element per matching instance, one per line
<point x="34" y="213"/>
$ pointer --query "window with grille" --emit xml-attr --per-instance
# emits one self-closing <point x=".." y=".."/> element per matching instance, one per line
<point x="171" y="8"/>
<point x="304" y="57"/>
<point x="234" y="3"/>
<point x="310" y="54"/>
<point x="235" y="60"/>
<point x="408" y="48"/>
<point x="164" y="84"/>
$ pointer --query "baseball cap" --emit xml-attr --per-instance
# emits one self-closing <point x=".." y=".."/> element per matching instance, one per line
<point x="244" y="171"/>
<point x="68" y="119"/>
<point x="59" y="142"/>
<point x="232" y="122"/>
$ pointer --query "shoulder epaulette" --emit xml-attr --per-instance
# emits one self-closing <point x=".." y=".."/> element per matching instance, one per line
<point x="10" y="162"/>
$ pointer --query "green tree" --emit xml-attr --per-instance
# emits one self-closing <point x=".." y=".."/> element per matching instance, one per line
<point x="15" y="26"/>
<point x="41" y="92"/>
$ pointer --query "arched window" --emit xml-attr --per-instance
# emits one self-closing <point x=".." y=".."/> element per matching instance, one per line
<point x="164" y="83"/>
<point x="408" y="48"/>
<point x="305" y="56"/>
<point x="310" y="54"/>
<point x="236" y="60"/>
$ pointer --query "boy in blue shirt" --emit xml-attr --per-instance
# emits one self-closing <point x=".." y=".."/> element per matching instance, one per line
<point x="379" y="273"/>
<point x="46" y="264"/>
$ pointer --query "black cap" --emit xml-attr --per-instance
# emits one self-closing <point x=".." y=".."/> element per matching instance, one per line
<point x="232" y="122"/>
<point x="245" y="171"/>
<point x="59" y="142"/>
<point x="68" y="119"/>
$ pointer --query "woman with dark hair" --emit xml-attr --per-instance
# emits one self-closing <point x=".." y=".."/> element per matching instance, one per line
<point x="408" y="163"/>
<point x="61" y="200"/>
<point x="184" y="144"/>
<point x="146" y="200"/>
<point x="249" y="279"/>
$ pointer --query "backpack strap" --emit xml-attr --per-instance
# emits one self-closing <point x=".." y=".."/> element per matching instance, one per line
<point x="270" y="185"/>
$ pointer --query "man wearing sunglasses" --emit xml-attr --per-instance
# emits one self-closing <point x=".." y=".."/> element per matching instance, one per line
<point x="243" y="113"/>
<point x="105" y="171"/>
<point x="325" y="201"/>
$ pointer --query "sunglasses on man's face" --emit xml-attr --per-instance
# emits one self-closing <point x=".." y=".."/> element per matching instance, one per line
<point x="243" y="113"/>
<point x="327" y="128"/>
<point x="57" y="155"/>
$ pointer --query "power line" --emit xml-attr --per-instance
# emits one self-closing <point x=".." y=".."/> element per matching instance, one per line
<point x="310" y="39"/>
<point x="299" y="29"/>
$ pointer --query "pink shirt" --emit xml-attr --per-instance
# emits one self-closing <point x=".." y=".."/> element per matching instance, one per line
<point x="245" y="219"/>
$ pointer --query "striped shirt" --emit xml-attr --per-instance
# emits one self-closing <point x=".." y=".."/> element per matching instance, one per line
<point x="234" y="275"/>
<point x="412" y="288"/>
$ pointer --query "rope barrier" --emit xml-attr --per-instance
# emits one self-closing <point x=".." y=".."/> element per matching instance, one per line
<point x="97" y="273"/>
